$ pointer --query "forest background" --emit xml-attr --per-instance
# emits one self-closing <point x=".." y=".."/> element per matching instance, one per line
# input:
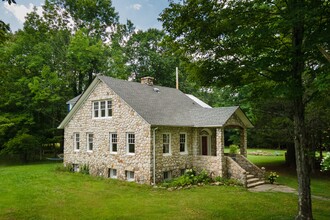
<point x="270" y="57"/>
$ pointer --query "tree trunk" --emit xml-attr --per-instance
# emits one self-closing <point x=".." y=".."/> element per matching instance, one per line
<point x="300" y="141"/>
<point x="302" y="162"/>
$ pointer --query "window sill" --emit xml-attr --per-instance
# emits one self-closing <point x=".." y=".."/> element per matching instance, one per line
<point x="167" y="154"/>
<point x="112" y="152"/>
<point x="89" y="151"/>
<point x="98" y="118"/>
<point x="183" y="153"/>
<point x="130" y="154"/>
<point x="76" y="150"/>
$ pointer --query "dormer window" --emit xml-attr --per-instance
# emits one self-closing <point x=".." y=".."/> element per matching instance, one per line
<point x="102" y="109"/>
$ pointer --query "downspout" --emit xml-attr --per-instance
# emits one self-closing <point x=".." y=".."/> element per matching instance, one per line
<point x="154" y="155"/>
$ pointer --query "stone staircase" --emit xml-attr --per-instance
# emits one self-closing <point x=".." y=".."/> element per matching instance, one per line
<point x="247" y="173"/>
<point x="252" y="181"/>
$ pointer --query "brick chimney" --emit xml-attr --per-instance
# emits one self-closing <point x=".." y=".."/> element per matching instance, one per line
<point x="147" y="80"/>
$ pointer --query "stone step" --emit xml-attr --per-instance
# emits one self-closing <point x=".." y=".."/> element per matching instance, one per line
<point x="252" y="180"/>
<point x="249" y="176"/>
<point x="255" y="184"/>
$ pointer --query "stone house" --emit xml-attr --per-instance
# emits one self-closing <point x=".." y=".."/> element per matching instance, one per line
<point x="147" y="133"/>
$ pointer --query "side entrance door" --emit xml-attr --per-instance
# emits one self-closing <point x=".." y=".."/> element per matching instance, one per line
<point x="204" y="145"/>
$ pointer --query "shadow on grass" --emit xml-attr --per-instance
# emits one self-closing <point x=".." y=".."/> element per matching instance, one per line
<point x="5" y="162"/>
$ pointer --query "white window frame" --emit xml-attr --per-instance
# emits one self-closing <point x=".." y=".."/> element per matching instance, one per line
<point x="185" y="143"/>
<point x="169" y="144"/>
<point x="130" y="140"/>
<point x="102" y="109"/>
<point x="113" y="173"/>
<point x="90" y="141"/>
<point x="130" y="176"/>
<point x="167" y="175"/>
<point x="76" y="141"/>
<point x="112" y="142"/>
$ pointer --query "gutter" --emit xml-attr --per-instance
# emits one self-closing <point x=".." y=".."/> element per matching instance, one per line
<point x="154" y="155"/>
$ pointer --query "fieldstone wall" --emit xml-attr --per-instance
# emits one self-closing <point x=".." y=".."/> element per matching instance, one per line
<point x="176" y="160"/>
<point x="124" y="120"/>
<point x="211" y="164"/>
<point x="235" y="171"/>
<point x="249" y="167"/>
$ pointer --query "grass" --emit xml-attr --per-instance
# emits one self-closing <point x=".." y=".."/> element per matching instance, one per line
<point x="37" y="191"/>
<point x="320" y="182"/>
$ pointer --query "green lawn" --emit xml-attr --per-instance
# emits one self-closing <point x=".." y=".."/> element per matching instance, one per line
<point x="37" y="191"/>
<point x="320" y="182"/>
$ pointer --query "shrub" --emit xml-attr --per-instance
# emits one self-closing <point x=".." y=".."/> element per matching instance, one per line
<point x="233" y="149"/>
<point x="325" y="163"/>
<point x="227" y="182"/>
<point x="84" y="169"/>
<point x="272" y="177"/>
<point x="189" y="178"/>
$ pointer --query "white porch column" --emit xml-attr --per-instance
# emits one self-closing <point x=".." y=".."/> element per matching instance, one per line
<point x="220" y="145"/>
<point x="243" y="148"/>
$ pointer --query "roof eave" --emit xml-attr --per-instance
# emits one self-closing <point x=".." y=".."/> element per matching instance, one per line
<point x="79" y="103"/>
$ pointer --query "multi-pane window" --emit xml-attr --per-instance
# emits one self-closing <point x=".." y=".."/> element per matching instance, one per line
<point x="109" y="108"/>
<point x="76" y="141"/>
<point x="166" y="143"/>
<point x="183" y="142"/>
<point x="102" y="105"/>
<point x="90" y="141"/>
<point x="167" y="175"/>
<point x="112" y="173"/>
<point x="102" y="109"/>
<point x="113" y="142"/>
<point x="130" y="143"/>
<point x="130" y="175"/>
<point x="75" y="167"/>
<point x="182" y="172"/>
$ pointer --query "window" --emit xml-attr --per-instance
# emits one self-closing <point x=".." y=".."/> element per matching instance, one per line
<point x="102" y="109"/>
<point x="182" y="172"/>
<point x="167" y="175"/>
<point x="112" y="173"/>
<point x="130" y="175"/>
<point x="183" y="143"/>
<point x="113" y="143"/>
<point x="130" y="143"/>
<point x="90" y="139"/>
<point x="75" y="167"/>
<point x="76" y="141"/>
<point x="166" y="143"/>
<point x="96" y="109"/>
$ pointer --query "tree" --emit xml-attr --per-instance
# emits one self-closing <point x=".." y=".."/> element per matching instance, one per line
<point x="97" y="17"/>
<point x="4" y="28"/>
<point x="257" y="42"/>
<point x="146" y="56"/>
<point x="86" y="58"/>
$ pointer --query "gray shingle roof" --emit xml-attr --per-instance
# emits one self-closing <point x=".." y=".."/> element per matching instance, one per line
<point x="212" y="116"/>
<point x="168" y="106"/>
<point x="74" y="100"/>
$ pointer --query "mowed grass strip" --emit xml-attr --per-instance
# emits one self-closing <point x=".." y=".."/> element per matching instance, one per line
<point x="39" y="192"/>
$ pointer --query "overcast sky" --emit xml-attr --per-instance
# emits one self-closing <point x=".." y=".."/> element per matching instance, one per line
<point x="143" y="13"/>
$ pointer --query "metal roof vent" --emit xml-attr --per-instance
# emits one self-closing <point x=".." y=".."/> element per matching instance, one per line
<point x="156" y="90"/>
